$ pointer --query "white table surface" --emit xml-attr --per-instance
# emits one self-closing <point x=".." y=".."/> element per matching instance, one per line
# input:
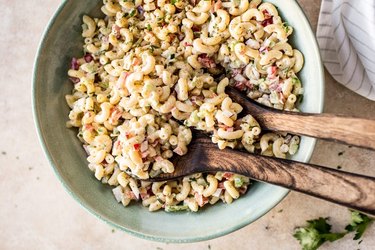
<point x="37" y="213"/>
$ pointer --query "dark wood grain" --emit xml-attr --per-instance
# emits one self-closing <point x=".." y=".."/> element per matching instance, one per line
<point x="347" y="189"/>
<point x="349" y="130"/>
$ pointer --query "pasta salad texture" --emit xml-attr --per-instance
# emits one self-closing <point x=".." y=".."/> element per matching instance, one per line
<point x="153" y="71"/>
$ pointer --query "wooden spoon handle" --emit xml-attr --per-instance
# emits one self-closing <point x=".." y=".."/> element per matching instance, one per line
<point x="348" y="130"/>
<point x="347" y="189"/>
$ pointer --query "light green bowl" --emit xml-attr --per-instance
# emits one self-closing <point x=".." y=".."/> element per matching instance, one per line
<point x="61" y="41"/>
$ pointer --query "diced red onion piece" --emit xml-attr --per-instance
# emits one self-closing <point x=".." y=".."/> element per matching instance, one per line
<point x="206" y="61"/>
<point x="249" y="85"/>
<point x="117" y="192"/>
<point x="240" y="86"/>
<point x="74" y="79"/>
<point x="145" y="154"/>
<point x="88" y="58"/>
<point x="140" y="9"/>
<point x="239" y="78"/>
<point x="144" y="146"/>
<point x="74" y="64"/>
<point x="158" y="158"/>
<point x="253" y="43"/>
<point x="178" y="151"/>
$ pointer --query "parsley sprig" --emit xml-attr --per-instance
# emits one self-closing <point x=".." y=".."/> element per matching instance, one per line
<point x="358" y="224"/>
<point x="315" y="234"/>
<point x="318" y="231"/>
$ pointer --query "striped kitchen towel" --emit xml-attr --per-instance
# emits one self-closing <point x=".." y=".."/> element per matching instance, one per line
<point x="346" y="37"/>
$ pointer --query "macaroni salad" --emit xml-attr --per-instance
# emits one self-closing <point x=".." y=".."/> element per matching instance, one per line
<point x="154" y="70"/>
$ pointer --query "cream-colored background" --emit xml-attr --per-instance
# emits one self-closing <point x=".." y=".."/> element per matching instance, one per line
<point x="36" y="212"/>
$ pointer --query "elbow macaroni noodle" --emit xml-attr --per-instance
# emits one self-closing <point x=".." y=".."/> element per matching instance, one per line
<point x="153" y="70"/>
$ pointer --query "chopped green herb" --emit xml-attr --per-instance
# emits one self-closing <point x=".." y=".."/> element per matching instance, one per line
<point x="358" y="224"/>
<point x="154" y="173"/>
<point x="176" y="208"/>
<point x="138" y="42"/>
<point x="132" y="13"/>
<point x="153" y="47"/>
<point x="104" y="85"/>
<point x="238" y="181"/>
<point x="299" y="99"/>
<point x="202" y="182"/>
<point x="315" y="234"/>
<point x="295" y="80"/>
<point x="196" y="34"/>
<point x="285" y="71"/>
<point x="160" y="20"/>
<point x="160" y="201"/>
<point x="174" y="1"/>
<point x="149" y="27"/>
<point x="318" y="231"/>
<point x="172" y="56"/>
<point x="286" y="27"/>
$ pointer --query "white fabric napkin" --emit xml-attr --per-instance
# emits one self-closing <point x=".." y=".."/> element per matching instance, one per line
<point x="346" y="37"/>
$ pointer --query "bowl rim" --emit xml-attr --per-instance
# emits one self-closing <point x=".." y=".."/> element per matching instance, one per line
<point x="46" y="151"/>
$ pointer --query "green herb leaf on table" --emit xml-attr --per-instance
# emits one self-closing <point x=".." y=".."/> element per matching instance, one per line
<point x="315" y="234"/>
<point x="318" y="231"/>
<point x="358" y="224"/>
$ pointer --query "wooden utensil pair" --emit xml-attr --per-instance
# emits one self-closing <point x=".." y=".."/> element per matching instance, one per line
<point x="348" y="189"/>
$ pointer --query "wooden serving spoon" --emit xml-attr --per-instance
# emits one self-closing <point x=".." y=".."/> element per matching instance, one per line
<point x="348" y="130"/>
<point x="351" y="190"/>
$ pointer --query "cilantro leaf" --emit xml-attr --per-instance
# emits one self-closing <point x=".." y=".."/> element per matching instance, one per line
<point x="308" y="238"/>
<point x="286" y="27"/>
<point x="315" y="234"/>
<point x="320" y="224"/>
<point x="132" y="13"/>
<point x="358" y="224"/>
<point x="331" y="237"/>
